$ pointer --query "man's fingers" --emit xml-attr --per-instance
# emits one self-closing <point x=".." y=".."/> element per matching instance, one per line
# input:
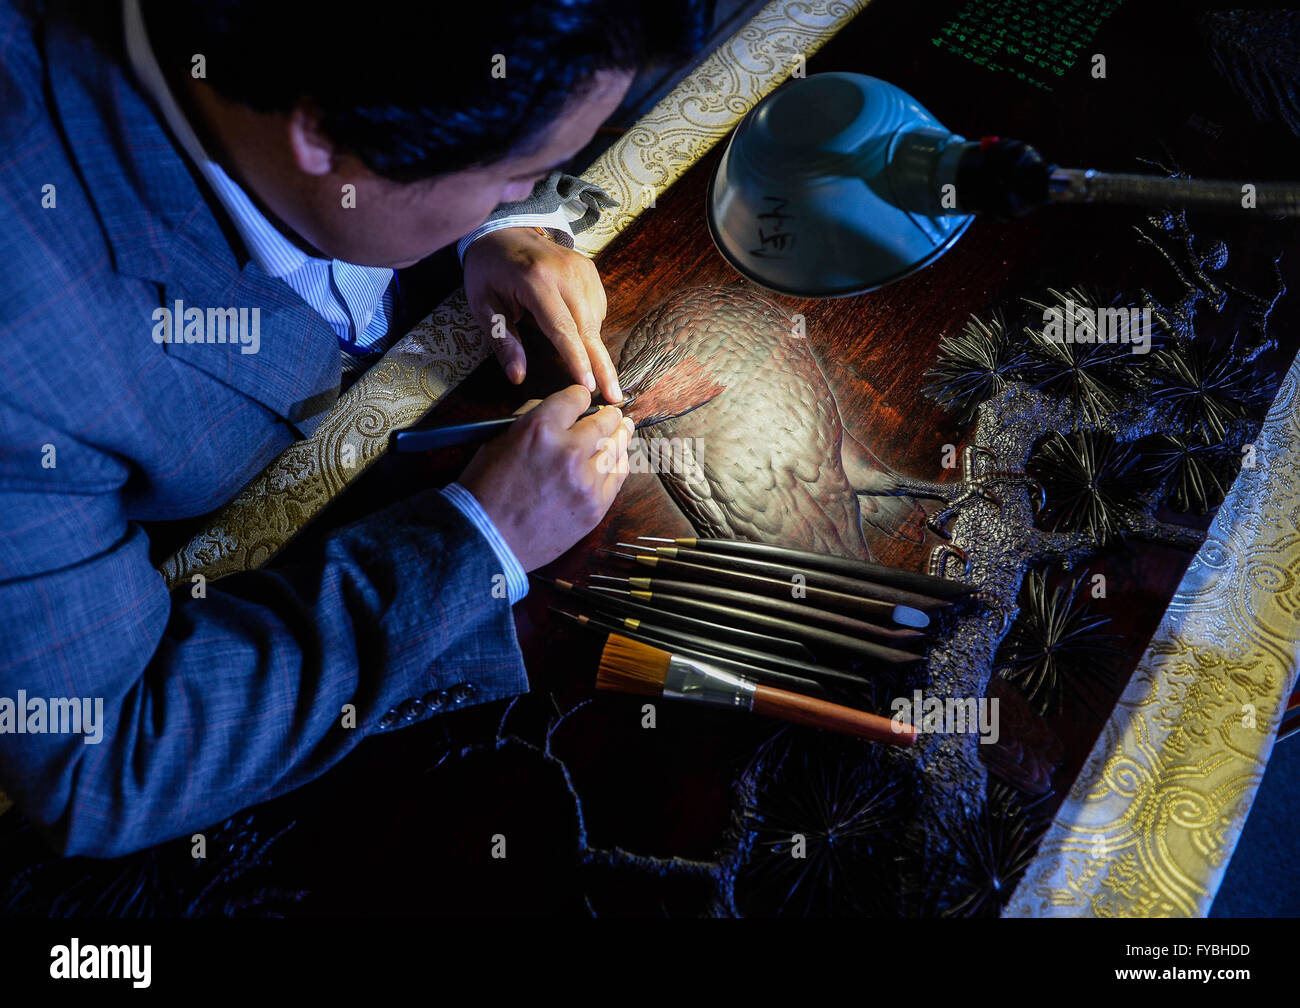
<point x="563" y="408"/>
<point x="612" y="459"/>
<point x="588" y="318"/>
<point x="527" y="406"/>
<point x="598" y="295"/>
<point x="554" y="317"/>
<point x="600" y="425"/>
<point x="509" y="351"/>
<point x="503" y="337"/>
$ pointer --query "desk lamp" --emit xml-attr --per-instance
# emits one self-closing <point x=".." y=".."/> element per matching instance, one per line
<point x="839" y="183"/>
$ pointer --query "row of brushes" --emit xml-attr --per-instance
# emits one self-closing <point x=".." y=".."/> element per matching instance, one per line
<point x="858" y="610"/>
<point x="729" y="633"/>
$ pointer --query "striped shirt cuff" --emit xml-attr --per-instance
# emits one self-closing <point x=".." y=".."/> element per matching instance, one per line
<point x="516" y="578"/>
<point x="556" y="222"/>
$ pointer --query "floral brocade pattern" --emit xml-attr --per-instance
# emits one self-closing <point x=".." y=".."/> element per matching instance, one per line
<point x="446" y="346"/>
<point x="706" y="106"/>
<point x="417" y="371"/>
<point x="1151" y="821"/>
<point x="1158" y="807"/>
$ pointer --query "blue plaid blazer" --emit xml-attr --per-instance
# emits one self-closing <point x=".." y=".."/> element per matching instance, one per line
<point x="210" y="704"/>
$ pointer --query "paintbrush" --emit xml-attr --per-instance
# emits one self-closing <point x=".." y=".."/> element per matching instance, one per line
<point x="872" y="610"/>
<point x="759" y="673"/>
<point x="782" y="646"/>
<point x="630" y="666"/>
<point x="785" y="573"/>
<point x="816" y="636"/>
<point x="712" y="650"/>
<point x="675" y="385"/>
<point x="926" y="584"/>
<point x="787" y="609"/>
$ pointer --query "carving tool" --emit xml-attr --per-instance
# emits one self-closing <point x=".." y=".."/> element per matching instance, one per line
<point x="782" y="646"/>
<point x="675" y="385"/>
<point x="631" y="666"/>
<point x="786" y="608"/>
<point x="785" y="572"/>
<point x="472" y="432"/>
<point x="925" y="584"/>
<point x="758" y="673"/>
<point x="813" y="635"/>
<point x="869" y="609"/>
<point x="713" y="651"/>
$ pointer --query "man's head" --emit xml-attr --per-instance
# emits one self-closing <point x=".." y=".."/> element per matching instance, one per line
<point x="433" y="118"/>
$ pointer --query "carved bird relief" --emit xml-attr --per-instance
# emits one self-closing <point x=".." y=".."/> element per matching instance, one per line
<point x="768" y="459"/>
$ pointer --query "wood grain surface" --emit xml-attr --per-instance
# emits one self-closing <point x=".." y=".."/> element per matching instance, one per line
<point x="1160" y="100"/>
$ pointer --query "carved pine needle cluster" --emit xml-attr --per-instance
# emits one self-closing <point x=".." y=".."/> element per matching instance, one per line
<point x="1092" y="481"/>
<point x="973" y="365"/>
<point x="1086" y="372"/>
<point x="1056" y="641"/>
<point x="1208" y="390"/>
<point x="1199" y="473"/>
<point x="991" y="850"/>
<point x="841" y="802"/>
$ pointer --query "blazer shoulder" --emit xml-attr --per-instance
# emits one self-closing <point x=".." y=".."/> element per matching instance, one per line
<point x="21" y="70"/>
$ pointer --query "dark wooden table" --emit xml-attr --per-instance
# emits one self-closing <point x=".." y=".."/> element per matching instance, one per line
<point x="404" y="824"/>
<point x="667" y="793"/>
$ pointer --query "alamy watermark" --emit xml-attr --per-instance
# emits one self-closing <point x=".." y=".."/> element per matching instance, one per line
<point x="682" y="457"/>
<point x="75" y="961"/>
<point x="932" y="715"/>
<point x="1076" y="323"/>
<point x="55" y="716"/>
<point x="179" y="324"/>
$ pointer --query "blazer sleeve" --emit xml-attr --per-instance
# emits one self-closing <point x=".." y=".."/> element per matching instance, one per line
<point x="216" y="697"/>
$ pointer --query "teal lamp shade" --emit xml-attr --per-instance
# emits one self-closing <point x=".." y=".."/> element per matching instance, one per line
<point x="836" y="184"/>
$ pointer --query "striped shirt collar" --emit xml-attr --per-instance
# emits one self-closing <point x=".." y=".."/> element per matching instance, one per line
<point x="271" y="250"/>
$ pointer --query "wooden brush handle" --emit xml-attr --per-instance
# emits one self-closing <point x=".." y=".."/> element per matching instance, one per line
<point x="814" y="713"/>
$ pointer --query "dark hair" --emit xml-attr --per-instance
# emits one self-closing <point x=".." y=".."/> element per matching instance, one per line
<point x="409" y="87"/>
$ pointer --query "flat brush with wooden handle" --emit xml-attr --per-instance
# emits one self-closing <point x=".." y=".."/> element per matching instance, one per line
<point x="766" y="676"/>
<point x="629" y="666"/>
<point x="702" y="647"/>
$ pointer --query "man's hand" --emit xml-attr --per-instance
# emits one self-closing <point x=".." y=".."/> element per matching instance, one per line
<point x="516" y="270"/>
<point x="549" y="480"/>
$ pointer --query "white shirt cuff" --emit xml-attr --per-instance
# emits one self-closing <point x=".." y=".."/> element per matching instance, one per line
<point x="556" y="222"/>
<point x="468" y="505"/>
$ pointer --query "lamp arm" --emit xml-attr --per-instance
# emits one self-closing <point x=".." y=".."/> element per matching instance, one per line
<point x="1075" y="185"/>
<point x="1009" y="178"/>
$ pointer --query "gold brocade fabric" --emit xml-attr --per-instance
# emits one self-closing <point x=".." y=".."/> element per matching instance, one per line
<point x="1154" y="815"/>
<point x="445" y="347"/>
<point x="1156" y="811"/>
<point x="434" y="357"/>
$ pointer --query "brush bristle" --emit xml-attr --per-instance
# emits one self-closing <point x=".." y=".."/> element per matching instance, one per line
<point x="628" y="666"/>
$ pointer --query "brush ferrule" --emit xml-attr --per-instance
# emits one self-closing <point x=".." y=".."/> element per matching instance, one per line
<point x="688" y="679"/>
